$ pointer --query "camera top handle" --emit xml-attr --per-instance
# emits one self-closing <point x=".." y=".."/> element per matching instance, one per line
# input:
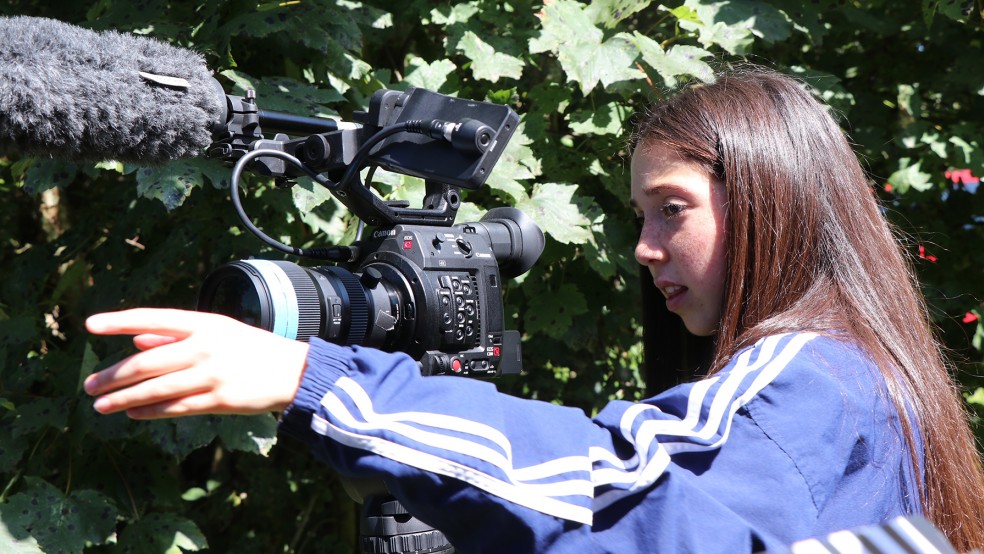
<point x="448" y="142"/>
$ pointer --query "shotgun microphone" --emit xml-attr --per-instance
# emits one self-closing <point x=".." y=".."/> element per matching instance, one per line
<point x="73" y="93"/>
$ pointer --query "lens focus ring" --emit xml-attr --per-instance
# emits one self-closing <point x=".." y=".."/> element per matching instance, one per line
<point x="358" y="303"/>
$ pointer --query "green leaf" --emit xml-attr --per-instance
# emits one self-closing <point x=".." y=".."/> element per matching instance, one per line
<point x="929" y="8"/>
<point x="610" y="12"/>
<point x="48" y="174"/>
<point x="806" y="18"/>
<point x="487" y="64"/>
<point x="431" y="76"/>
<point x="19" y="329"/>
<point x="40" y="413"/>
<point x="469" y="211"/>
<point x="325" y="27"/>
<point x="733" y="24"/>
<point x="977" y="397"/>
<point x="607" y="120"/>
<point x="910" y="176"/>
<point x="568" y="32"/>
<point x="978" y="340"/>
<point x="179" y="437"/>
<point x="13" y="447"/>
<point x="553" y="314"/>
<point x="286" y="95"/>
<point x="552" y="208"/>
<point x="308" y="195"/>
<point x="193" y="494"/>
<point x="563" y="22"/>
<point x="456" y="14"/>
<point x="606" y="63"/>
<point x="606" y="253"/>
<point x="686" y="13"/>
<point x="968" y="153"/>
<point x="319" y="210"/>
<point x="550" y="97"/>
<point x="680" y="60"/>
<point x="949" y="8"/>
<point x="517" y="163"/>
<point x="214" y="170"/>
<point x="255" y="434"/>
<point x="909" y="100"/>
<point x="827" y="86"/>
<point x="171" y="183"/>
<point x="89" y="363"/>
<point x="164" y="533"/>
<point x="58" y="523"/>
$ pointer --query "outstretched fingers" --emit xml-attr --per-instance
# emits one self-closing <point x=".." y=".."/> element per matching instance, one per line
<point x="154" y="391"/>
<point x="149" y="340"/>
<point x="140" y="367"/>
<point x="155" y="321"/>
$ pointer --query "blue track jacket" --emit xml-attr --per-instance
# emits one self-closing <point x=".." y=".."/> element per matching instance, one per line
<point x="795" y="438"/>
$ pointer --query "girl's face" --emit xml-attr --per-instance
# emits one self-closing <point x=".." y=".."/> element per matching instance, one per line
<point x="682" y="241"/>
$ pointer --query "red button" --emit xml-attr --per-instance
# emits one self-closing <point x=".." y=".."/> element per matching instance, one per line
<point x="456" y="365"/>
<point x="495" y="351"/>
<point x="408" y="245"/>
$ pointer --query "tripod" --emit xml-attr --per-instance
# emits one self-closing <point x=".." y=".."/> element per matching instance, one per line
<point x="386" y="527"/>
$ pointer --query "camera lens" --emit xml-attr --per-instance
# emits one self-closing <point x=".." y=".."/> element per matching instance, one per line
<point x="328" y="302"/>
<point x="276" y="296"/>
<point x="237" y="297"/>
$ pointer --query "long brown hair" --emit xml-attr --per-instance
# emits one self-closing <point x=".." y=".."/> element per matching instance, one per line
<point x="808" y="248"/>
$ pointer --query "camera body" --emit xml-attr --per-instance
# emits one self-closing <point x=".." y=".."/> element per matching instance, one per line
<point x="417" y="283"/>
<point x="447" y="309"/>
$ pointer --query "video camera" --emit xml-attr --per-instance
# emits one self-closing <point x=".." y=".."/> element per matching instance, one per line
<point x="418" y="284"/>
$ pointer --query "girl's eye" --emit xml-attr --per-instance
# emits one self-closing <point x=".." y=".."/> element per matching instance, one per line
<point x="673" y="210"/>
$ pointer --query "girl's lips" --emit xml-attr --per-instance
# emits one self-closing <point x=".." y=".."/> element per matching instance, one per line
<point x="674" y="295"/>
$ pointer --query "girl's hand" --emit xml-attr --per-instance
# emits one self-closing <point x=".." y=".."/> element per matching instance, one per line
<point x="194" y="363"/>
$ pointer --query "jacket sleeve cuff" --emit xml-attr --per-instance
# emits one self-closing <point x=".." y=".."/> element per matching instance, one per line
<point x="326" y="363"/>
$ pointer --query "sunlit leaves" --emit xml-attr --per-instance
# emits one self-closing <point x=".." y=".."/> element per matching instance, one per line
<point x="516" y="164"/>
<point x="488" y="64"/>
<point x="581" y="48"/>
<point x="431" y="76"/>
<point x="733" y="25"/>
<point x="609" y="13"/>
<point x="680" y="60"/>
<point x="552" y="208"/>
<point x="910" y="176"/>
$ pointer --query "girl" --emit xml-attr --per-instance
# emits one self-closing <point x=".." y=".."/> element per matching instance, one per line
<point x="828" y="405"/>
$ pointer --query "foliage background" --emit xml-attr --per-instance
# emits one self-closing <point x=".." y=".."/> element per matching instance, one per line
<point x="903" y="77"/>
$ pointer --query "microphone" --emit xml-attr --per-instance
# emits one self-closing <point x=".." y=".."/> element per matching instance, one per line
<point x="73" y="93"/>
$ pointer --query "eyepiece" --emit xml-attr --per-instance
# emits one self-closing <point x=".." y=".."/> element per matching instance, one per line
<point x="516" y="240"/>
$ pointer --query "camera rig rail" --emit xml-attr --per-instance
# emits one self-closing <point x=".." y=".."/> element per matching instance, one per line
<point x="448" y="142"/>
